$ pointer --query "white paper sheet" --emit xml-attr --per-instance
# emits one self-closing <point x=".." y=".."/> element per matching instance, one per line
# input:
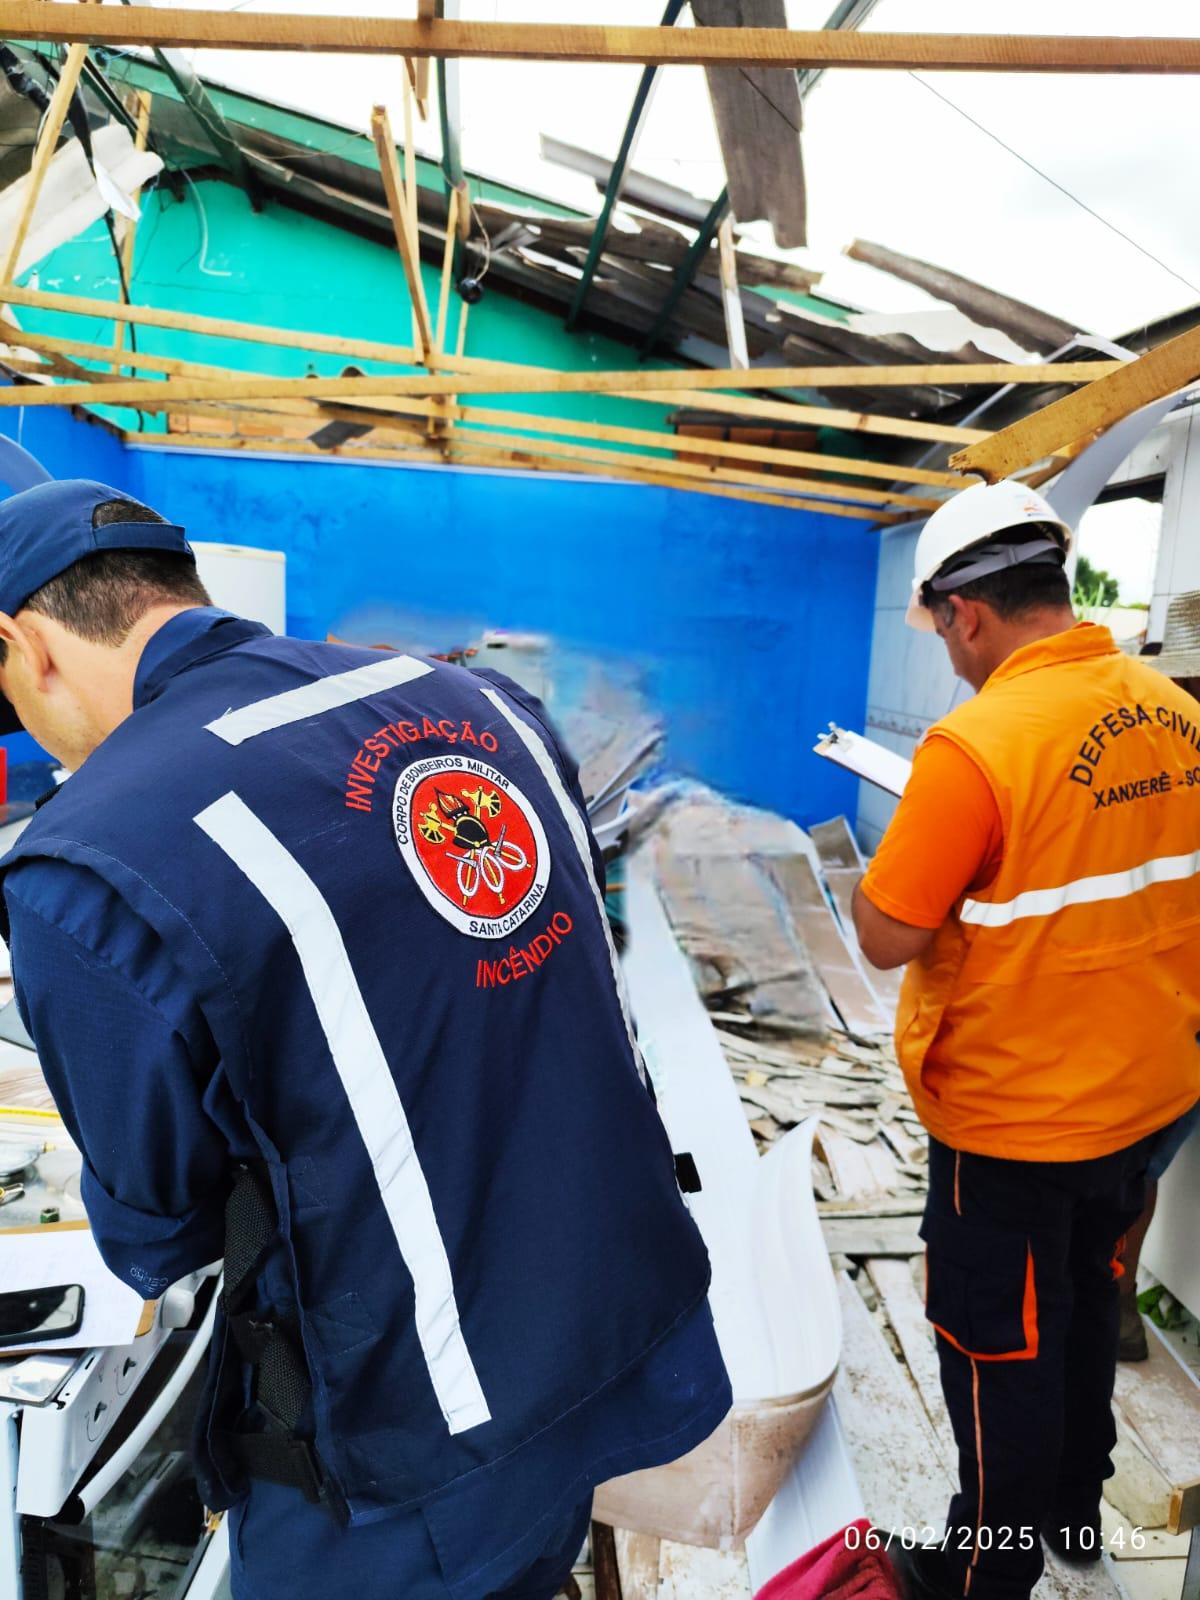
<point x="44" y="1257"/>
<point x="863" y="756"/>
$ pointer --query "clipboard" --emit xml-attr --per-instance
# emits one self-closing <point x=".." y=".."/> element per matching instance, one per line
<point x="865" y="758"/>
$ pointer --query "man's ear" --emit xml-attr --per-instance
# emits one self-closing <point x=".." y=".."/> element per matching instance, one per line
<point x="967" y="617"/>
<point x="26" y="640"/>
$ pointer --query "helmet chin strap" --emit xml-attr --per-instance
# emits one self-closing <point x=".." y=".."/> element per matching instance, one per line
<point x="989" y="558"/>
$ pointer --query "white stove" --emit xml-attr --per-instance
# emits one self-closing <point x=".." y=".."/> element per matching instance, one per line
<point x="97" y="1500"/>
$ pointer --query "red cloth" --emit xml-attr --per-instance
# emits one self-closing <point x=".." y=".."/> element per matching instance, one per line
<point x="842" y="1568"/>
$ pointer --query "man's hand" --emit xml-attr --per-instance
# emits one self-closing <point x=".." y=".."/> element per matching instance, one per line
<point x="884" y="941"/>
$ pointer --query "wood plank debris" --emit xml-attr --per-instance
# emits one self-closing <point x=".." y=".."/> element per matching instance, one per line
<point x="870" y="1174"/>
<point x="1158" y="1402"/>
<point x="905" y="1309"/>
<point x="900" y="1469"/>
<point x="872" y="1237"/>
<point x="686" y="1572"/>
<point x="637" y="1564"/>
<point x="1030" y="328"/>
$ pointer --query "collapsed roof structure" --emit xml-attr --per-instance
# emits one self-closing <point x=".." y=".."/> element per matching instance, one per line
<point x="743" y="380"/>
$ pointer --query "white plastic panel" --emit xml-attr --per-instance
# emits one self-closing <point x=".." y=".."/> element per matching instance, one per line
<point x="252" y="583"/>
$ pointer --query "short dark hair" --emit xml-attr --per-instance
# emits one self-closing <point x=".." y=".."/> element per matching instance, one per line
<point x="1013" y="591"/>
<point x="103" y="596"/>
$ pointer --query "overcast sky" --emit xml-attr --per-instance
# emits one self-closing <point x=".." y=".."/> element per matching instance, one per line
<point x="886" y="159"/>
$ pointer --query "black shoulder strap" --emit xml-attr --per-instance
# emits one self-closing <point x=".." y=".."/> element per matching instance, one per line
<point x="282" y="1387"/>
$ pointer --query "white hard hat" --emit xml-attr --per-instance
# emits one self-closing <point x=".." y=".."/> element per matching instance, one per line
<point x="972" y="517"/>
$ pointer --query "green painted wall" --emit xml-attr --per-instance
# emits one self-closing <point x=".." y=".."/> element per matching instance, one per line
<point x="209" y="253"/>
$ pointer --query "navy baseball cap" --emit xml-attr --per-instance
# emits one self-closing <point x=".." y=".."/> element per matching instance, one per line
<point x="46" y="529"/>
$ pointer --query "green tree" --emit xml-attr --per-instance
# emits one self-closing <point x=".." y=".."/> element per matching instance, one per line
<point x="1094" y="586"/>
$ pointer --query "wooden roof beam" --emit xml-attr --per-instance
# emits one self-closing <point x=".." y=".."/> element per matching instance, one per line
<point x="517" y="460"/>
<point x="522" y="421"/>
<point x="131" y="392"/>
<point x="69" y="23"/>
<point x="620" y="460"/>
<point x="537" y="380"/>
<point x="1172" y="366"/>
<point x="943" y="374"/>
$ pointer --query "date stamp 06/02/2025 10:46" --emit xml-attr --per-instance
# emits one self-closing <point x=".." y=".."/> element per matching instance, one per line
<point x="1086" y="1541"/>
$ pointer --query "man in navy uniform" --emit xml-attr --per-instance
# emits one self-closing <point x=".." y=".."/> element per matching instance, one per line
<point x="313" y="948"/>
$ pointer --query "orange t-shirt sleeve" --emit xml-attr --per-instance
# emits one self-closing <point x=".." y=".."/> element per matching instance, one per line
<point x="945" y="838"/>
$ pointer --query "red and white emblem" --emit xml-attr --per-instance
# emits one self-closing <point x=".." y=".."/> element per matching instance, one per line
<point x="473" y="842"/>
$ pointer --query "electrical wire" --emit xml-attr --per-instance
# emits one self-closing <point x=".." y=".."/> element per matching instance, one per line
<point x="126" y="297"/>
<point x="210" y="272"/>
<point x="487" y="244"/>
<point x="1054" y="183"/>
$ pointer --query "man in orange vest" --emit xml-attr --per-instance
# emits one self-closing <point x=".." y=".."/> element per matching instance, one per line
<point x="1041" y="879"/>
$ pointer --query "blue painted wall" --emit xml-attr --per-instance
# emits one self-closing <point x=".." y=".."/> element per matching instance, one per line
<point x="67" y="448"/>
<point x="751" y="624"/>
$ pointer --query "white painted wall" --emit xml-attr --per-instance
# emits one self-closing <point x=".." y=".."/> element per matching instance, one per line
<point x="910" y="684"/>
<point x="1179" y="553"/>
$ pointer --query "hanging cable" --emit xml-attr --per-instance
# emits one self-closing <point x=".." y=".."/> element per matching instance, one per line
<point x="1054" y="183"/>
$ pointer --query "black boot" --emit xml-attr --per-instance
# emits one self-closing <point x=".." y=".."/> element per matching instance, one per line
<point x="1132" y="1343"/>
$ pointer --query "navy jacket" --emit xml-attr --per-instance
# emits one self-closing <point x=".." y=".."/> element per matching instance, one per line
<point x="375" y="881"/>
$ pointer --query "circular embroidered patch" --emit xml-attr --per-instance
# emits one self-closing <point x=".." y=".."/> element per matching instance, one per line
<point x="473" y="842"/>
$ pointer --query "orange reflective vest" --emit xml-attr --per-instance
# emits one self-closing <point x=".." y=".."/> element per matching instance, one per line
<point x="1056" y="1014"/>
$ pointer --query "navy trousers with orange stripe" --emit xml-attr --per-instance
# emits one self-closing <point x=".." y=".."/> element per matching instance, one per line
<point x="1022" y="1267"/>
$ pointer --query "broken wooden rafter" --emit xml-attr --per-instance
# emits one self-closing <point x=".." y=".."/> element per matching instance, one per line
<point x="506" y="459"/>
<point x="1132" y="385"/>
<point x="621" y="460"/>
<point x="1029" y="327"/>
<point x="400" y="207"/>
<point x="730" y="450"/>
<point x="759" y="114"/>
<point x="426" y="12"/>
<point x="738" y="405"/>
<point x="410" y="185"/>
<point x="62" y="23"/>
<point x="532" y="460"/>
